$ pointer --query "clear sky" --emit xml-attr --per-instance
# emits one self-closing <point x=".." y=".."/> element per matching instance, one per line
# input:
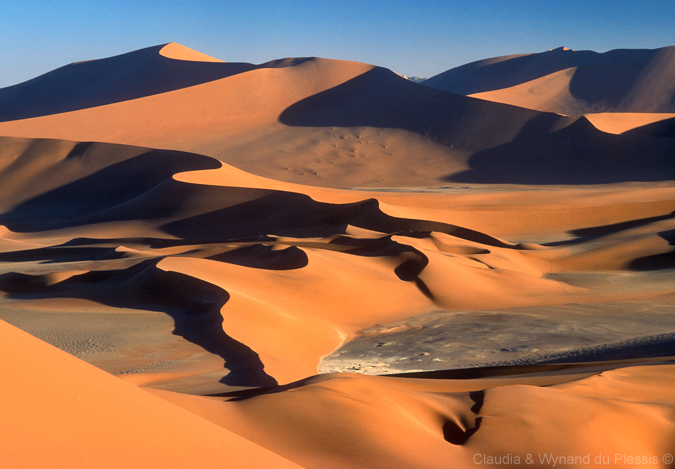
<point x="411" y="37"/>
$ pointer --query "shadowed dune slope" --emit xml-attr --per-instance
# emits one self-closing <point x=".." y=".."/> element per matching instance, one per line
<point x="576" y="154"/>
<point x="345" y="124"/>
<point x="419" y="423"/>
<point x="52" y="182"/>
<point x="379" y="98"/>
<point x="570" y="82"/>
<point x="124" y="77"/>
<point x="663" y="128"/>
<point x="281" y="260"/>
<point x="507" y="144"/>
<point x="190" y="118"/>
<point x="503" y="72"/>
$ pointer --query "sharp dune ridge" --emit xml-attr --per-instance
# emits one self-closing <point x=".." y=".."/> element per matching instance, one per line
<point x="320" y="121"/>
<point x="146" y="72"/>
<point x="212" y="234"/>
<point x="571" y="82"/>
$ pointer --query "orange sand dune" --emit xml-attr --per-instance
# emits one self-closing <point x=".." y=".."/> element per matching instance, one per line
<point x="333" y="123"/>
<point x="98" y="82"/>
<point x="225" y="230"/>
<point x="216" y="104"/>
<point x="507" y="71"/>
<point x="571" y="82"/>
<point x="285" y="274"/>
<point x="620" y="122"/>
<point x="395" y="422"/>
<point x="61" y="412"/>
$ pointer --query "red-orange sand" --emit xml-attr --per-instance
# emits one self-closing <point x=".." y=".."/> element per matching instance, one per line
<point x="205" y="233"/>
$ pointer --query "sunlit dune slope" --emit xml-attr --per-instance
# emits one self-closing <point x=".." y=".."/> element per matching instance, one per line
<point x="216" y="98"/>
<point x="640" y="123"/>
<point x="571" y="82"/>
<point x="339" y="124"/>
<point x="503" y="72"/>
<point x="272" y="276"/>
<point x="128" y="76"/>
<point x="347" y="421"/>
<point x="178" y="221"/>
<point x="61" y="412"/>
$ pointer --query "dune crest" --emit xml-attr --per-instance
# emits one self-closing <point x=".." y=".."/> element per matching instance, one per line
<point x="176" y="51"/>
<point x="620" y="122"/>
<point x="322" y="122"/>
<point x="202" y="238"/>
<point x="468" y="422"/>
<point x="622" y="80"/>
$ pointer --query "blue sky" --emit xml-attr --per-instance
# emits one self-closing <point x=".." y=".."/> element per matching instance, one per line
<point x="412" y="37"/>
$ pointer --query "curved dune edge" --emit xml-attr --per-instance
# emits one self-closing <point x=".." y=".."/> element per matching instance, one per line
<point x="256" y="279"/>
<point x="322" y="264"/>
<point x="361" y="421"/>
<point x="571" y="82"/>
<point x="59" y="411"/>
<point x="194" y="117"/>
<point x="549" y="93"/>
<point x="620" y="122"/>
<point x="176" y="51"/>
<point x="334" y="123"/>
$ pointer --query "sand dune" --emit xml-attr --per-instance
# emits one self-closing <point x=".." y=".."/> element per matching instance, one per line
<point x="128" y="76"/>
<point x="458" y="423"/>
<point x="61" y="412"/>
<point x="333" y="123"/>
<point x="222" y="99"/>
<point x="507" y="71"/>
<point x="215" y="233"/>
<point x="571" y="82"/>
<point x="252" y="246"/>
<point x="621" y="122"/>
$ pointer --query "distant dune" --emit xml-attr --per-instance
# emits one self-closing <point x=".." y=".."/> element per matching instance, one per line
<point x="325" y="122"/>
<point x="205" y="237"/>
<point x="128" y="76"/>
<point x="511" y="70"/>
<point x="571" y="82"/>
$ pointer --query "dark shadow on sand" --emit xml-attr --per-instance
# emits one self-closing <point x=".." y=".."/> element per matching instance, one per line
<point x="658" y="261"/>
<point x="661" y="129"/>
<point x="193" y="304"/>
<point x="604" y="230"/>
<point x="508" y="145"/>
<point x="609" y="79"/>
<point x="102" y="196"/>
<point x="577" y="154"/>
<point x="260" y="256"/>
<point x="298" y="215"/>
<point x="94" y="83"/>
<point x="453" y="433"/>
<point x="478" y="78"/>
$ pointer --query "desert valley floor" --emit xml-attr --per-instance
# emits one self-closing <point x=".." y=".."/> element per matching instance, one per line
<point x="318" y="263"/>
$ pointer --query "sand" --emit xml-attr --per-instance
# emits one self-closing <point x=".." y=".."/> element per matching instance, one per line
<point x="571" y="82"/>
<point x="280" y="264"/>
<point x="62" y="412"/>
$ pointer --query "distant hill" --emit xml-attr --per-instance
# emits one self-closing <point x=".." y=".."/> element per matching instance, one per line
<point x="144" y="72"/>
<point x="571" y="82"/>
<point x="326" y="122"/>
